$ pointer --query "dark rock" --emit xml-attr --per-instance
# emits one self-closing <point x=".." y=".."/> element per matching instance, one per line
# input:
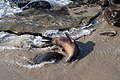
<point x="86" y="1"/>
<point x="104" y="3"/>
<point x="112" y="14"/>
<point x="115" y="1"/>
<point x="37" y="5"/>
<point x="35" y="21"/>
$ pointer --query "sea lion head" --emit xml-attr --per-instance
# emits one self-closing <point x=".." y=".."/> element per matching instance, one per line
<point x="60" y="41"/>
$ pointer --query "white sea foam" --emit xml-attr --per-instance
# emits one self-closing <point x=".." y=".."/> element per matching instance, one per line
<point x="4" y="35"/>
<point x="37" y="41"/>
<point x="8" y="48"/>
<point x="6" y="9"/>
<point x="25" y="40"/>
<point x="33" y="66"/>
<point x="21" y="64"/>
<point x="73" y="32"/>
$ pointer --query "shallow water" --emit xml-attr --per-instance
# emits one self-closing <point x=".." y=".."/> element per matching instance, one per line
<point x="6" y="9"/>
<point x="73" y="32"/>
<point x="25" y="41"/>
<point x="9" y="41"/>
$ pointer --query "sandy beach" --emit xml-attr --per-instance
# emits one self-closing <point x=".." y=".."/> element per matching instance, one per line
<point x="100" y="53"/>
<point x="101" y="62"/>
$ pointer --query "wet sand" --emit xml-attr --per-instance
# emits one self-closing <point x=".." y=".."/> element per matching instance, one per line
<point x="100" y="60"/>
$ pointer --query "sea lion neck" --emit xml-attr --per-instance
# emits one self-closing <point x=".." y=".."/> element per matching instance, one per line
<point x="60" y="41"/>
<point x="68" y="47"/>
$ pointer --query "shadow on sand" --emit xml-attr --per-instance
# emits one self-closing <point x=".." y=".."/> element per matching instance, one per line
<point x="85" y="49"/>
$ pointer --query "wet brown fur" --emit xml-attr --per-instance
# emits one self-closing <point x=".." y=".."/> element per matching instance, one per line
<point x="69" y="47"/>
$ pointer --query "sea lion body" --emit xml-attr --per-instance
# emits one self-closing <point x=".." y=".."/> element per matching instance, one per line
<point x="69" y="47"/>
<point x="49" y="56"/>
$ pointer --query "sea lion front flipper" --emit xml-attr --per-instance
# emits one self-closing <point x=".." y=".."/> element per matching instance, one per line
<point x="73" y="56"/>
<point x="70" y="38"/>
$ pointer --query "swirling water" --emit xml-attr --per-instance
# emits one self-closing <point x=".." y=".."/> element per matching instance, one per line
<point x="6" y="9"/>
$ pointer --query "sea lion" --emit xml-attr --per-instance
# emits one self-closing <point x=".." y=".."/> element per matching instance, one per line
<point x="69" y="45"/>
<point x="109" y="33"/>
<point x="49" y="56"/>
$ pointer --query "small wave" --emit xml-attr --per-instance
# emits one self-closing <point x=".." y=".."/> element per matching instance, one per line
<point x="22" y="62"/>
<point x="34" y="66"/>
